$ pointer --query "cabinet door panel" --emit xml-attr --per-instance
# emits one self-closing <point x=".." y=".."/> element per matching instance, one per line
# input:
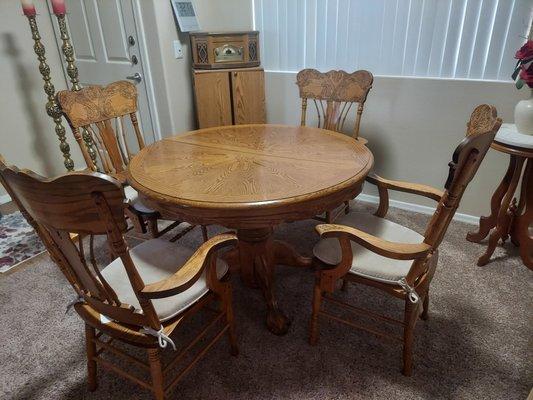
<point x="213" y="99"/>
<point x="248" y="97"/>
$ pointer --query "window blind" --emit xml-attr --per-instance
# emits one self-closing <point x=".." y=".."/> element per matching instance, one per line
<point x="474" y="39"/>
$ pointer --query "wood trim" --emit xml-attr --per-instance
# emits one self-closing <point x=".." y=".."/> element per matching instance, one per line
<point x="512" y="150"/>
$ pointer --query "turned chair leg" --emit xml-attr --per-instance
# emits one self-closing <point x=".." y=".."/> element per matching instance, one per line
<point x="152" y="227"/>
<point x="329" y="217"/>
<point x="317" y="302"/>
<point x="408" y="336"/>
<point x="204" y="233"/>
<point x="90" y="336"/>
<point x="344" y="286"/>
<point x="425" y="307"/>
<point x="230" y="319"/>
<point x="154" y="358"/>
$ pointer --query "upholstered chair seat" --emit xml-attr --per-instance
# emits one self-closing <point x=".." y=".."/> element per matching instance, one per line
<point x="133" y="196"/>
<point x="156" y="260"/>
<point x="365" y="262"/>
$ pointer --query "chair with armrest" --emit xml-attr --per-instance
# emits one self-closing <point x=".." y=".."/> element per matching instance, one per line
<point x="141" y="297"/>
<point x="107" y="118"/>
<point x="371" y="250"/>
<point x="333" y="94"/>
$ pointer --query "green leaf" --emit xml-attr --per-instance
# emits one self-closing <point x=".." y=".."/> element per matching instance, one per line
<point x="519" y="84"/>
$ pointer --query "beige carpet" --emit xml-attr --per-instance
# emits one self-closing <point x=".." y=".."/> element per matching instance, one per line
<point x="474" y="346"/>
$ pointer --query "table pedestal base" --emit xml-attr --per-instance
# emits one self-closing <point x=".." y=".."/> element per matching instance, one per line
<point x="256" y="258"/>
<point x="507" y="218"/>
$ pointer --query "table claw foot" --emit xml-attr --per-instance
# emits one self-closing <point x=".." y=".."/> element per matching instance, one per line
<point x="495" y="236"/>
<point x="286" y="254"/>
<point x="485" y="225"/>
<point x="277" y="322"/>
<point x="484" y="259"/>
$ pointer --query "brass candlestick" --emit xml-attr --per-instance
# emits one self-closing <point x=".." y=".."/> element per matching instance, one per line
<point x="72" y="71"/>
<point x="52" y="108"/>
<point x="68" y="51"/>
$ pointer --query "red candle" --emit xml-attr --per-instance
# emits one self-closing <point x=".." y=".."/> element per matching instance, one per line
<point x="28" y="8"/>
<point x="59" y="7"/>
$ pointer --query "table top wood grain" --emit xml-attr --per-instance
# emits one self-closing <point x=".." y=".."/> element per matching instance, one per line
<point x="244" y="167"/>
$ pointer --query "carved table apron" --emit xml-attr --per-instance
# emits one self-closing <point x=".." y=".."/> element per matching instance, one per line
<point x="252" y="178"/>
<point x="507" y="217"/>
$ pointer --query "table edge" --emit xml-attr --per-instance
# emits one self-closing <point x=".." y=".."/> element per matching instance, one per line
<point x="268" y="204"/>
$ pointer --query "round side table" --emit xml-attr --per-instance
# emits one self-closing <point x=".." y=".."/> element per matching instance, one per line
<point x="509" y="217"/>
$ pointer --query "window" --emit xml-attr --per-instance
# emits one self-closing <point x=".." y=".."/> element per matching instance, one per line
<point x="474" y="39"/>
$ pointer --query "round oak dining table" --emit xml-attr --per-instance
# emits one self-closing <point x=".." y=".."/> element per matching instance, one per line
<point x="252" y="178"/>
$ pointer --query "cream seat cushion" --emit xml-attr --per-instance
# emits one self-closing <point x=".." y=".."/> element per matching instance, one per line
<point x="365" y="262"/>
<point x="158" y="259"/>
<point x="133" y="196"/>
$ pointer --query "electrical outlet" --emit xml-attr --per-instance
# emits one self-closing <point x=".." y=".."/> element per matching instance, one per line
<point x="178" y="50"/>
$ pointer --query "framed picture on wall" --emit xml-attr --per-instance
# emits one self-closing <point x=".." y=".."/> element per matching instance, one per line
<point x="185" y="15"/>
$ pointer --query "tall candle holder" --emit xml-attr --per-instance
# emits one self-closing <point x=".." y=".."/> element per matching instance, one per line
<point x="52" y="108"/>
<point x="72" y="72"/>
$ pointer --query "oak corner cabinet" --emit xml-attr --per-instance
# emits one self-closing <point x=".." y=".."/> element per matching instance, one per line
<point x="229" y="97"/>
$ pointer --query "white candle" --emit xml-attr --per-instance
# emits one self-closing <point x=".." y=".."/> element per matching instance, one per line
<point x="59" y="7"/>
<point x="28" y="7"/>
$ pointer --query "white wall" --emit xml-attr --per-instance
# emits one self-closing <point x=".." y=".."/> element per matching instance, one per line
<point x="413" y="125"/>
<point x="27" y="133"/>
<point x="172" y="76"/>
<point x="27" y="136"/>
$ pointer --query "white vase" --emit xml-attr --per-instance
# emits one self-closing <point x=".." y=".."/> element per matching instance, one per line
<point x="523" y="116"/>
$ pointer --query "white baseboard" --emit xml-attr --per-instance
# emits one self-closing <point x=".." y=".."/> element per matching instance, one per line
<point x="5" y="199"/>
<point x="402" y="205"/>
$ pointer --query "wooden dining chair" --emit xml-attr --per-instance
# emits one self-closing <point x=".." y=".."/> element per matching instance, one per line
<point x="371" y="250"/>
<point x="333" y="95"/>
<point x="107" y="118"/>
<point x="141" y="297"/>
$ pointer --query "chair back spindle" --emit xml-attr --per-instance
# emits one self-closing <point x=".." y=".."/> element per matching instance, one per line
<point x="333" y="95"/>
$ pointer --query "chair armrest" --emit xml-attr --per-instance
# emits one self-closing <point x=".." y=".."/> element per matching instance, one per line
<point x="394" y="250"/>
<point x="384" y="185"/>
<point x="407" y="187"/>
<point x="187" y="275"/>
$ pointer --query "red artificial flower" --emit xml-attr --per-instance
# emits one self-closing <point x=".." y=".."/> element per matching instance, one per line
<point x="526" y="74"/>
<point x="526" y="51"/>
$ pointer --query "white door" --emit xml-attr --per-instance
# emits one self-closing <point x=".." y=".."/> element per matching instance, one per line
<point x="104" y="37"/>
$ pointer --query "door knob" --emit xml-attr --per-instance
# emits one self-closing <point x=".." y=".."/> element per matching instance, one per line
<point x="135" y="77"/>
